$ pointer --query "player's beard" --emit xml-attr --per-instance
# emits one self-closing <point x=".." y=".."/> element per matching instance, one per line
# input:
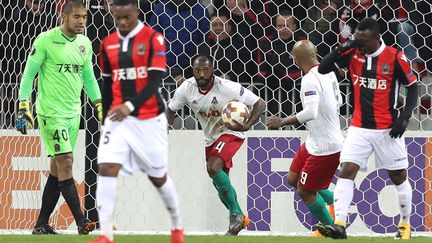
<point x="204" y="83"/>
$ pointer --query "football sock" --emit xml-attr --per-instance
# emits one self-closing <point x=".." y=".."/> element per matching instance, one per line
<point x="343" y="196"/>
<point x="169" y="195"/>
<point x="70" y="194"/>
<point x="224" y="187"/>
<point x="404" y="193"/>
<point x="106" y="196"/>
<point x="327" y="195"/>
<point x="221" y="196"/>
<point x="319" y="210"/>
<point x="50" y="198"/>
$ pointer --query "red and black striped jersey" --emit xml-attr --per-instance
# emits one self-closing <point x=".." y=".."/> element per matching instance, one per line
<point x="376" y="80"/>
<point x="127" y="60"/>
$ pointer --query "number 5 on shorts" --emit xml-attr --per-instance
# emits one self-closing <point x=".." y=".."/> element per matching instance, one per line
<point x="220" y="146"/>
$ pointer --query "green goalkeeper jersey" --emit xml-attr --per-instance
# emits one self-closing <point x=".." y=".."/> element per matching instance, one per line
<point x="62" y="60"/>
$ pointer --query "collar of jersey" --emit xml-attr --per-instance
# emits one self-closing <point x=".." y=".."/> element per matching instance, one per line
<point x="134" y="32"/>
<point x="70" y="39"/>
<point x="377" y="52"/>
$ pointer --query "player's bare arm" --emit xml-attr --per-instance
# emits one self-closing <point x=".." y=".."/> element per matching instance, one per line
<point x="257" y="110"/>
<point x="170" y="114"/>
<point x="277" y="122"/>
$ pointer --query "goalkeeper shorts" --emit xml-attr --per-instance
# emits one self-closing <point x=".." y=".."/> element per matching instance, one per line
<point x="136" y="144"/>
<point x="59" y="135"/>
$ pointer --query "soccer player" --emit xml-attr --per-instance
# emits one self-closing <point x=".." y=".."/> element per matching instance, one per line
<point x="376" y="72"/>
<point x="135" y="136"/>
<point x="316" y="161"/>
<point x="62" y="58"/>
<point x="206" y="94"/>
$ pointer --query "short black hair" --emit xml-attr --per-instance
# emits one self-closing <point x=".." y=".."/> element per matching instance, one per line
<point x="125" y="2"/>
<point x="369" y="24"/>
<point x="71" y="4"/>
<point x="203" y="58"/>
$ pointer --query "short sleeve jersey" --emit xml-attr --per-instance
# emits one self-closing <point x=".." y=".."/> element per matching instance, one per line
<point x="60" y="81"/>
<point x="208" y="105"/>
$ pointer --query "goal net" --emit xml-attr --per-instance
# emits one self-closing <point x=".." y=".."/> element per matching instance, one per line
<point x="250" y="43"/>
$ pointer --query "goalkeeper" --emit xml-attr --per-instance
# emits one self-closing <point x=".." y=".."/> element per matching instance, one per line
<point x="62" y="58"/>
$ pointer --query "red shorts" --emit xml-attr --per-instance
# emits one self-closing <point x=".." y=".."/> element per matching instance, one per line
<point x="224" y="148"/>
<point x="314" y="172"/>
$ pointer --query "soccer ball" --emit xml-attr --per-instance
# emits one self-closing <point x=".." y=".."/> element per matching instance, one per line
<point x="235" y="110"/>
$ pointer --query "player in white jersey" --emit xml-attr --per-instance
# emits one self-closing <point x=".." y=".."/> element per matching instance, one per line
<point x="206" y="95"/>
<point x="316" y="161"/>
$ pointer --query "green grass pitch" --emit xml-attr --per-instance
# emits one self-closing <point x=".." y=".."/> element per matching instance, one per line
<point x="195" y="239"/>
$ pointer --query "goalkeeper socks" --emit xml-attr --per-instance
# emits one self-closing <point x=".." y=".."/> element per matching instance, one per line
<point x="222" y="197"/>
<point x="224" y="187"/>
<point x="106" y="196"/>
<point x="404" y="193"/>
<point x="70" y="194"/>
<point x="319" y="210"/>
<point x="50" y="198"/>
<point x="169" y="195"/>
<point x="327" y="195"/>
<point x="343" y="196"/>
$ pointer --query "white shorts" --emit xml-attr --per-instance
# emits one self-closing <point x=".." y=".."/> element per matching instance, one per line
<point x="390" y="153"/>
<point x="136" y="144"/>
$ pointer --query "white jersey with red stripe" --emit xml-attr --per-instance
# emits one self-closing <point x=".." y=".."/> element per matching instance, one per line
<point x="207" y="105"/>
<point x="322" y="90"/>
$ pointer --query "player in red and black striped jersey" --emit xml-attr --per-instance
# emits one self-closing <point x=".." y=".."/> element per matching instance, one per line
<point x="376" y="72"/>
<point x="135" y="137"/>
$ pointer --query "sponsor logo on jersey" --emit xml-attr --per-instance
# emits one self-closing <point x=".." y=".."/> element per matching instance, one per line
<point x="385" y="68"/>
<point x="214" y="101"/>
<point x="370" y="83"/>
<point x="82" y="50"/>
<point x="69" y="68"/>
<point x="312" y="92"/>
<point x="241" y="91"/>
<point x="129" y="73"/>
<point x="211" y="113"/>
<point x="141" y="49"/>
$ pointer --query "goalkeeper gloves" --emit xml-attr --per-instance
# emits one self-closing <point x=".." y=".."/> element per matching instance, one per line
<point x="348" y="45"/>
<point x="24" y="119"/>
<point x="399" y="127"/>
<point x="98" y="107"/>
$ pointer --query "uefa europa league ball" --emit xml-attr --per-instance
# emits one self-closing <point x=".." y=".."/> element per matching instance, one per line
<point x="235" y="110"/>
